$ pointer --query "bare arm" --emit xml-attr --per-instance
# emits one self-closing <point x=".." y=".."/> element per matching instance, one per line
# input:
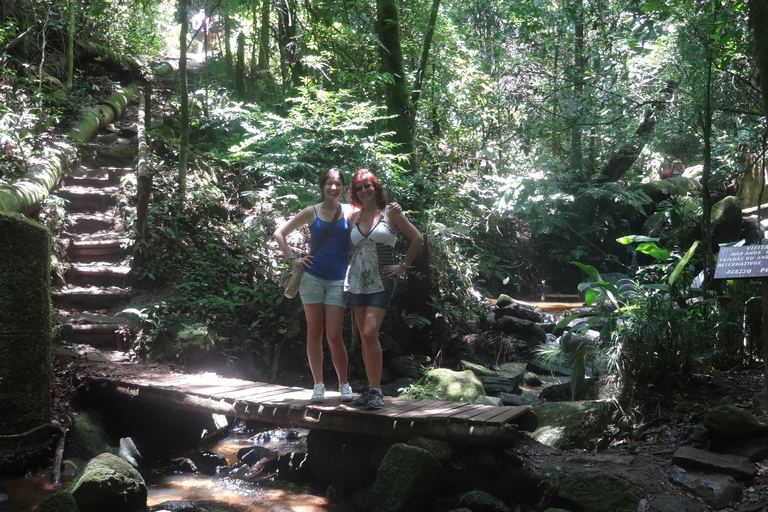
<point x="400" y="222"/>
<point x="305" y="216"/>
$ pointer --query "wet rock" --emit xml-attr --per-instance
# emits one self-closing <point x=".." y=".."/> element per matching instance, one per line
<point x="108" y="482"/>
<point x="480" y="501"/>
<point x="489" y="400"/>
<point x="692" y="458"/>
<point x="585" y="489"/>
<point x="192" y="506"/>
<point x="207" y="462"/>
<point x="528" y="379"/>
<point x="520" y="310"/>
<point x="514" y="400"/>
<point x="128" y="452"/>
<point x="716" y="490"/>
<point x="406" y="481"/>
<point x="253" y="454"/>
<point x="495" y="385"/>
<point x="57" y="502"/>
<point x="291" y="467"/>
<point x="525" y="330"/>
<point x="480" y="371"/>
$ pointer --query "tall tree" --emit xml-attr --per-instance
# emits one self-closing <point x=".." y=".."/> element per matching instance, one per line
<point x="183" y="100"/>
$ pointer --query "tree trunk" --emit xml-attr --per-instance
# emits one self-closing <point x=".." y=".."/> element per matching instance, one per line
<point x="289" y="40"/>
<point x="390" y="50"/>
<point x="264" y="36"/>
<point x="623" y="159"/>
<point x="240" y="70"/>
<point x="428" y="35"/>
<point x="71" y="44"/>
<point x="228" y="60"/>
<point x="578" y="90"/>
<point x="758" y="21"/>
<point x="184" y="100"/>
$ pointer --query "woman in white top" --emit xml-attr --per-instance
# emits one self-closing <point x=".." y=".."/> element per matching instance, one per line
<point x="372" y="270"/>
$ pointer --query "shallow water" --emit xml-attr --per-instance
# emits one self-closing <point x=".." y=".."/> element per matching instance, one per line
<point x="267" y="494"/>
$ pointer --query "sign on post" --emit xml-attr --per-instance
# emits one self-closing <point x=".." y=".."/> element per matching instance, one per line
<point x="742" y="262"/>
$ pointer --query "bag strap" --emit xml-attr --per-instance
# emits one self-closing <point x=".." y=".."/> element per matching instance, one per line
<point x="328" y="233"/>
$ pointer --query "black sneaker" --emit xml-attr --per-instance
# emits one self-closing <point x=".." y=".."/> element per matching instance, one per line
<point x="375" y="399"/>
<point x="364" y="397"/>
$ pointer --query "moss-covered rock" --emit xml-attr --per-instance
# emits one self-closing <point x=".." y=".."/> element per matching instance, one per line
<point x="593" y="490"/>
<point x="58" y="502"/>
<point x="108" y="482"/>
<point x="481" y="501"/>
<point x="406" y="481"/>
<point x="454" y="386"/>
<point x="87" y="437"/>
<point x="726" y="220"/>
<point x="729" y="423"/>
<point x="25" y="328"/>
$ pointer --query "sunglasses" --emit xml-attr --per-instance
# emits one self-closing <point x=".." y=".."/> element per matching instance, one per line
<point x="364" y="187"/>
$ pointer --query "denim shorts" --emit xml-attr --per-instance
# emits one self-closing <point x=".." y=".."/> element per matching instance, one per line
<point x="314" y="290"/>
<point x="380" y="299"/>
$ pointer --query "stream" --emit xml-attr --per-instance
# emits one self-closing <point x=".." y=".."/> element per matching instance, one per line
<point x="236" y="485"/>
<point x="246" y="491"/>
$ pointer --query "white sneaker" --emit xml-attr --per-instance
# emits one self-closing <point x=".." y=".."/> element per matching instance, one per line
<point x="318" y="393"/>
<point x="346" y="392"/>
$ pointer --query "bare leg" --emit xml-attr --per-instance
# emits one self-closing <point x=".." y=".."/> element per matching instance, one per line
<point x="314" y="314"/>
<point x="334" y="321"/>
<point x="368" y="323"/>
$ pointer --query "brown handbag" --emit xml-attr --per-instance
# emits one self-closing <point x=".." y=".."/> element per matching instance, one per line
<point x="291" y="283"/>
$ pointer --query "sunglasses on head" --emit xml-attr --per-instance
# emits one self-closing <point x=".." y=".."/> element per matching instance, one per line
<point x="364" y="187"/>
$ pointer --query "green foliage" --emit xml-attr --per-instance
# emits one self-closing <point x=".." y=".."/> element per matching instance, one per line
<point x="650" y="333"/>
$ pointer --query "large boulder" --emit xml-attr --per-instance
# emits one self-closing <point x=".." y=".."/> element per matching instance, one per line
<point x="585" y="489"/>
<point x="406" y="481"/>
<point x="729" y="423"/>
<point x="61" y="501"/>
<point x="726" y="220"/>
<point x="108" y="482"/>
<point x="87" y="437"/>
<point x="453" y="386"/>
<point x="481" y="501"/>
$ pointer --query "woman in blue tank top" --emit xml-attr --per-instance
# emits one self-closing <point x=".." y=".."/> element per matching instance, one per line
<point x="322" y="283"/>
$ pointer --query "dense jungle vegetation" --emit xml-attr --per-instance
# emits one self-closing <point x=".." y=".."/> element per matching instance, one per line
<point x="517" y="135"/>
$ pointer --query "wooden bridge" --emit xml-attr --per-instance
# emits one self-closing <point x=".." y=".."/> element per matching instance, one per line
<point x="399" y="419"/>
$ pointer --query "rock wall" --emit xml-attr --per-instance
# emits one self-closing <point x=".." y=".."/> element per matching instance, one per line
<point x="25" y="337"/>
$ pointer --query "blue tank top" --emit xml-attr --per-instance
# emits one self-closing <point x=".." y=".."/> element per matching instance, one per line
<point x="330" y="263"/>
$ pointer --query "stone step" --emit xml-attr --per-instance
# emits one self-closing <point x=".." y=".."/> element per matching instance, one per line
<point x="91" y="297"/>
<point x="88" y="199"/>
<point x="98" y="274"/>
<point x="84" y="223"/>
<point x="97" y="330"/>
<point x="92" y="250"/>
<point x="99" y="177"/>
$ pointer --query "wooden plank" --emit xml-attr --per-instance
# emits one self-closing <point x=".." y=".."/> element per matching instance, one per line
<point x="476" y="410"/>
<point x="444" y="409"/>
<point x="421" y="411"/>
<point x="213" y="390"/>
<point x="257" y="394"/>
<point x="504" y="416"/>
<point x="395" y="410"/>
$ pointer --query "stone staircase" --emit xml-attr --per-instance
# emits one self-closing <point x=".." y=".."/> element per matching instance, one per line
<point x="96" y="284"/>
